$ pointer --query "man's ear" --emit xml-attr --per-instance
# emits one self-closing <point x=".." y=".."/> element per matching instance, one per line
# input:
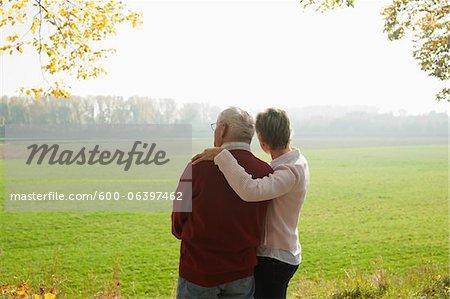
<point x="264" y="146"/>
<point x="224" y="131"/>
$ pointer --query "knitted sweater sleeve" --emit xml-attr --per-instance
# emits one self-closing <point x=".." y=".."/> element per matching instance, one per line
<point x="280" y="182"/>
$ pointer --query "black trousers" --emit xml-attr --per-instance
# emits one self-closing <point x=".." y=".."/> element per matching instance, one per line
<point x="272" y="277"/>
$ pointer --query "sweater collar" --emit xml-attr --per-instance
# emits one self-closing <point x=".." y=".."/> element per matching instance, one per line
<point x="287" y="158"/>
<point x="236" y="146"/>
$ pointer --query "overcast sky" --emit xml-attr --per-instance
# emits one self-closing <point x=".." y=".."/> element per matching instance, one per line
<point x="255" y="54"/>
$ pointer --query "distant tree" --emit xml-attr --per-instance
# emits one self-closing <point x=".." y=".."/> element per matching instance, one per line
<point x="168" y="111"/>
<point x="190" y="113"/>
<point x="143" y="110"/>
<point x="66" y="34"/>
<point x="199" y="114"/>
<point x="428" y="21"/>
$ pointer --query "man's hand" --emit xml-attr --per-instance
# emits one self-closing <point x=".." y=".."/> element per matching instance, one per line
<point x="208" y="155"/>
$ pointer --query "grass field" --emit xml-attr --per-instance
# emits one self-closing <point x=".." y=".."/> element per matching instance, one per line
<point x="375" y="224"/>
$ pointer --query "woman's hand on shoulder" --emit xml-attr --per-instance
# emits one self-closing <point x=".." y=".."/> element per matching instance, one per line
<point x="207" y="155"/>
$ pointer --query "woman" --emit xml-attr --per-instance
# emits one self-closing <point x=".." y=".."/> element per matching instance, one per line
<point x="280" y="252"/>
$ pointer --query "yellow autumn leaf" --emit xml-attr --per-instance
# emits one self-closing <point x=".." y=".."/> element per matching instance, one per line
<point x="49" y="296"/>
<point x="37" y="92"/>
<point x="12" y="38"/>
<point x="35" y="25"/>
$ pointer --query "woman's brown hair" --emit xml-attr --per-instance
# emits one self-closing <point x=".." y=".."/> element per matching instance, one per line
<point x="273" y="128"/>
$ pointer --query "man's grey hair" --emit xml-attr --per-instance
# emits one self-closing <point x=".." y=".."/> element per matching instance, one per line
<point x="240" y="123"/>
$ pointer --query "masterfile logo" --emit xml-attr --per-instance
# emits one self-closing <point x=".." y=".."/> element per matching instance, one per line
<point x="96" y="167"/>
<point x="146" y="156"/>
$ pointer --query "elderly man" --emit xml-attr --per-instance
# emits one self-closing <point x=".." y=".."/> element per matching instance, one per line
<point x="220" y="236"/>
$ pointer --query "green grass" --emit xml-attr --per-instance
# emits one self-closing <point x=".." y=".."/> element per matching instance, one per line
<point x="368" y="210"/>
<point x="375" y="208"/>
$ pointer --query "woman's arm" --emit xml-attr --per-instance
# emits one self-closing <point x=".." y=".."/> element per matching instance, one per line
<point x="274" y="185"/>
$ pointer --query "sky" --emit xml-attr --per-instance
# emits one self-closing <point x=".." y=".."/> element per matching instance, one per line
<point x="254" y="54"/>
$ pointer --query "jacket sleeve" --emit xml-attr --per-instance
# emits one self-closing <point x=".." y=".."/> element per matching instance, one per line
<point x="182" y="208"/>
<point x="280" y="182"/>
<point x="178" y="220"/>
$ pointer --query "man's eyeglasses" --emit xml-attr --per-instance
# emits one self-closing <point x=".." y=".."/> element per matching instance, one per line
<point x="213" y="126"/>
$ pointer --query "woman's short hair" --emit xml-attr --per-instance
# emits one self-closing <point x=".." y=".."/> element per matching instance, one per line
<point x="273" y="128"/>
<point x="240" y="122"/>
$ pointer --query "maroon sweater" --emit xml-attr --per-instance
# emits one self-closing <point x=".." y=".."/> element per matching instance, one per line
<point x="219" y="238"/>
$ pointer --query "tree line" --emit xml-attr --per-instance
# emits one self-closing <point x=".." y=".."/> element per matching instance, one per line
<point x="146" y="110"/>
